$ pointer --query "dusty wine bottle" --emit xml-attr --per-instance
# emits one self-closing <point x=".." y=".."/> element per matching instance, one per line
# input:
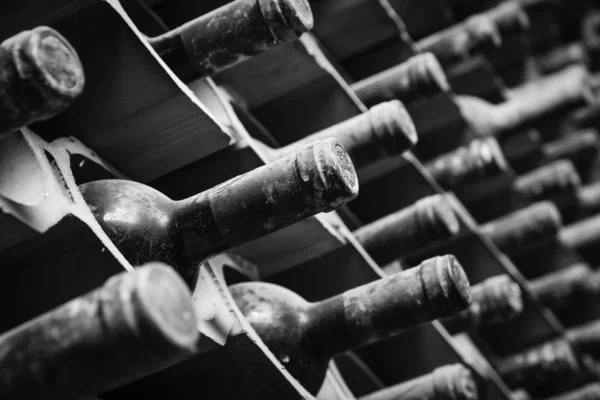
<point x="587" y="338"/>
<point x="568" y="292"/>
<point x="587" y="392"/>
<point x="418" y="78"/>
<point x="41" y="75"/>
<point x="230" y="34"/>
<point x="386" y="130"/>
<point x="582" y="235"/>
<point x="562" y="57"/>
<point x="478" y="161"/>
<point x="539" y="365"/>
<point x="578" y="146"/>
<point x="450" y="382"/>
<point x="558" y="181"/>
<point x="428" y="221"/>
<point x="304" y="336"/>
<point x="137" y="323"/>
<point x="145" y="225"/>
<point x="456" y="43"/>
<point x="524" y="228"/>
<point x="495" y="300"/>
<point x="551" y="95"/>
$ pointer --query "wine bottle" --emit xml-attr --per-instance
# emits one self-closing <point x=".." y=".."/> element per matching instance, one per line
<point x="450" y="382"/>
<point x="230" y="34"/>
<point x="551" y="95"/>
<point x="456" y="43"/>
<point x="562" y="57"/>
<point x="495" y="300"/>
<point x="582" y="235"/>
<point x="558" y="181"/>
<point x="538" y="365"/>
<point x="145" y="225"/>
<point x="587" y="392"/>
<point x="478" y="161"/>
<point x="41" y="75"/>
<point x="428" y="221"/>
<point x="570" y="293"/>
<point x="304" y="336"/>
<point x="580" y="146"/>
<point x="418" y="78"/>
<point x="386" y="130"/>
<point x="524" y="228"/>
<point x="587" y="338"/>
<point x="136" y="324"/>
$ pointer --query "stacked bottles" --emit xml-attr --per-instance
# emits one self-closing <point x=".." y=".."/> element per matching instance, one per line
<point x="492" y="180"/>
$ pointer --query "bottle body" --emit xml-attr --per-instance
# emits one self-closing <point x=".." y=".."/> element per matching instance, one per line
<point x="147" y="226"/>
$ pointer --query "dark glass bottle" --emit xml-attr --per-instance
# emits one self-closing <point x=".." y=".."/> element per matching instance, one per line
<point x="450" y="382"/>
<point x="136" y="324"/>
<point x="385" y="130"/>
<point x="41" y="75"/>
<point x="429" y="220"/>
<point x="230" y="34"/>
<point x="145" y="225"/>
<point x="305" y="336"/>
<point x="539" y="365"/>
<point x="524" y="228"/>
<point x="478" y="161"/>
<point x="571" y="293"/>
<point x="418" y="78"/>
<point x="495" y="300"/>
<point x="561" y="92"/>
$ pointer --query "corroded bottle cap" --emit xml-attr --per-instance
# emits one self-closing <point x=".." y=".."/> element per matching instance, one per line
<point x="446" y="285"/>
<point x="49" y="69"/>
<point x="436" y="218"/>
<point x="454" y="382"/>
<point x="326" y="167"/>
<point x="393" y="126"/>
<point x="526" y="227"/>
<point x="556" y="178"/>
<point x="287" y="19"/>
<point x="498" y="298"/>
<point x="159" y="307"/>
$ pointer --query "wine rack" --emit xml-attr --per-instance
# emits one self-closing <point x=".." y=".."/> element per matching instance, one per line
<point x="137" y="120"/>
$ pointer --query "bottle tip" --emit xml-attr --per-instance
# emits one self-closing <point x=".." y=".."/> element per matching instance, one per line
<point x="167" y="309"/>
<point x="500" y="299"/>
<point x="437" y="218"/>
<point x="57" y="63"/>
<point x="392" y="122"/>
<point x="491" y="155"/>
<point x="326" y="167"/>
<point x="446" y="285"/>
<point x="457" y="381"/>
<point x="287" y="19"/>
<point x="429" y="72"/>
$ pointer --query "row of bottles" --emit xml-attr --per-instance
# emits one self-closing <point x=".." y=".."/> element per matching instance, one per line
<point x="374" y="200"/>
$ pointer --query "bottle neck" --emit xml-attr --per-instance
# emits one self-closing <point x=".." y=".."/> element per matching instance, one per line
<point x="581" y="234"/>
<point x="211" y="42"/>
<point x="388" y="306"/>
<point x="386" y="130"/>
<point x="559" y="93"/>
